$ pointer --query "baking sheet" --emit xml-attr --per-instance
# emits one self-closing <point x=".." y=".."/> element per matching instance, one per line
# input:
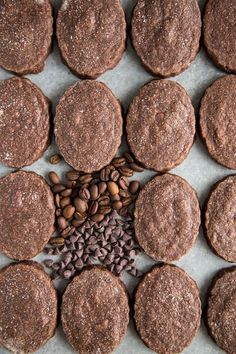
<point x="198" y="169"/>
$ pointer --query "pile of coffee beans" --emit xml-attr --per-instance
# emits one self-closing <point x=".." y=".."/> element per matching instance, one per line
<point x="110" y="242"/>
<point x="88" y="208"/>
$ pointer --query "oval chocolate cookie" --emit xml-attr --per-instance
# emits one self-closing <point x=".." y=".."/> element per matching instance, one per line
<point x="26" y="214"/>
<point x="161" y="125"/>
<point x="167" y="309"/>
<point x="24" y="122"/>
<point x="88" y="125"/>
<point x="219" y="33"/>
<point x="98" y="322"/>
<point x="166" y="34"/>
<point x="91" y="35"/>
<point x="25" y="35"/>
<point x="28" y="302"/>
<point x="167" y="218"/>
<point x="221" y="309"/>
<point x="217" y="120"/>
<point x="220" y="218"/>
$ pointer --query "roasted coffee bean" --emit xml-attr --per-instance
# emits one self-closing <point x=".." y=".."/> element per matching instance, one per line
<point x="64" y="202"/>
<point x="56" y="241"/>
<point x="103" y="175"/>
<point x="72" y="175"/>
<point x="80" y="205"/>
<point x="114" y="176"/>
<point x="57" y="200"/>
<point x="126" y="201"/>
<point x="124" y="193"/>
<point x="84" y="194"/>
<point x="123" y="183"/>
<point x="77" y="222"/>
<point x="112" y="188"/>
<point x="66" y="193"/>
<point x="98" y="217"/>
<point x="117" y="205"/>
<point x="118" y="161"/>
<point x="87" y="178"/>
<point x="55" y="159"/>
<point x="126" y="171"/>
<point x="128" y="157"/>
<point x="135" y="167"/>
<point x="115" y="197"/>
<point x="71" y="184"/>
<point x="102" y="186"/>
<point x="104" y="210"/>
<point x="58" y="212"/>
<point x="94" y="192"/>
<point x="66" y="232"/>
<point x="93" y="208"/>
<point x="68" y="211"/>
<point x="54" y="178"/>
<point x="123" y="211"/>
<point x="134" y="187"/>
<point x="80" y="216"/>
<point x="57" y="188"/>
<point x="62" y="222"/>
<point x="104" y="200"/>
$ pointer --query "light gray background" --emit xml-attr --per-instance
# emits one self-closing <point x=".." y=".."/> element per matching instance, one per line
<point x="198" y="169"/>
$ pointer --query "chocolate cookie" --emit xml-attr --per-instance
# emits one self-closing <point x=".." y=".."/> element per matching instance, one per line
<point x="88" y="125"/>
<point x="219" y="33"/>
<point x="220" y="218"/>
<point x="217" y="120"/>
<point x="167" y="309"/>
<point x="91" y="35"/>
<point x="26" y="214"/>
<point x="28" y="303"/>
<point x="161" y="125"/>
<point x="97" y="322"/>
<point x="221" y="308"/>
<point x="25" y="34"/>
<point x="167" y="218"/>
<point x="166" y="34"/>
<point x="24" y="122"/>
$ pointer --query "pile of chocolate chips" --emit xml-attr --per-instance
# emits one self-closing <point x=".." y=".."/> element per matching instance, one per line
<point x="94" y="222"/>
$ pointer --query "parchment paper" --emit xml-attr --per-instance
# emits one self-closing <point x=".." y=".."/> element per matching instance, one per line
<point x="198" y="169"/>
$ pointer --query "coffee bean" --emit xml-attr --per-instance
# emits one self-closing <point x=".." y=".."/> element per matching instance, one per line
<point x="55" y="159"/>
<point x="114" y="176"/>
<point x="118" y="161"/>
<point x="87" y="178"/>
<point x="84" y="194"/>
<point x="134" y="187"/>
<point x="117" y="205"/>
<point x="98" y="217"/>
<point x="62" y="222"/>
<point x="80" y="205"/>
<point x="57" y="188"/>
<point x="94" y="192"/>
<point x="68" y="211"/>
<point x="77" y="222"/>
<point x="56" y="241"/>
<point x="66" y="193"/>
<point x="71" y="184"/>
<point x="124" y="193"/>
<point x="104" y="210"/>
<point x="126" y="171"/>
<point x="123" y="183"/>
<point x="72" y="175"/>
<point x="104" y="200"/>
<point x="54" y="178"/>
<point x="123" y="211"/>
<point x="80" y="216"/>
<point x="115" y="197"/>
<point x="103" y="175"/>
<point x="93" y="208"/>
<point x="126" y="201"/>
<point x="128" y="157"/>
<point x="112" y="188"/>
<point x="57" y="200"/>
<point x="58" y="212"/>
<point x="64" y="202"/>
<point x="135" y="167"/>
<point x="102" y="186"/>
